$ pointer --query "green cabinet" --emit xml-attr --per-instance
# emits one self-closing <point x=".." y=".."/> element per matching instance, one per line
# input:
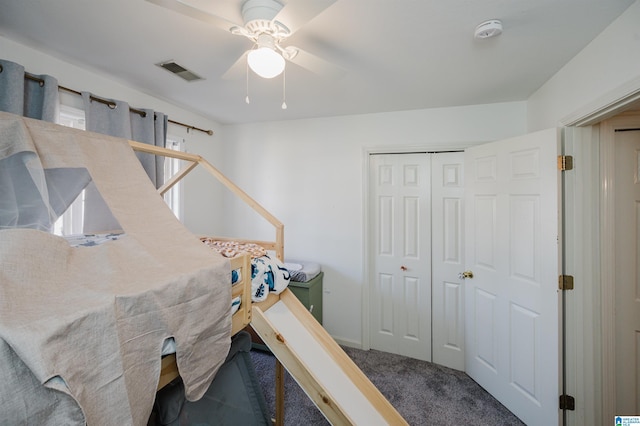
<point x="310" y="294"/>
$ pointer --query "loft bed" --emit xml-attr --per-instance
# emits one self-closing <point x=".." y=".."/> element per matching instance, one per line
<point x="242" y="318"/>
<point x="325" y="372"/>
<point x="138" y="296"/>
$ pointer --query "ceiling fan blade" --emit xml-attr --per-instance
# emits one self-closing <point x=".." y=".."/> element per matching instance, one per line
<point x="316" y="64"/>
<point x="296" y="13"/>
<point x="239" y="68"/>
<point x="192" y="12"/>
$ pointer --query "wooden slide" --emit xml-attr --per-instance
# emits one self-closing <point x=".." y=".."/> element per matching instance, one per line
<point x="322" y="369"/>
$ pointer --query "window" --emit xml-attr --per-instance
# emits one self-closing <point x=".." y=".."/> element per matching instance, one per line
<point x="71" y="222"/>
<point x="71" y="117"/>
<point x="173" y="197"/>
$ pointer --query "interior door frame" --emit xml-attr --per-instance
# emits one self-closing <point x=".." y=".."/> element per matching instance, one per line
<point x="367" y="220"/>
<point x="582" y="261"/>
<point x="591" y="329"/>
<point x="608" y="295"/>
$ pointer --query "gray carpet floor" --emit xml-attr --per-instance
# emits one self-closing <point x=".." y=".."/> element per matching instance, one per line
<point x="422" y="392"/>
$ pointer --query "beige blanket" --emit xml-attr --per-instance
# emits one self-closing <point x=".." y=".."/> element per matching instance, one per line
<point x="81" y="329"/>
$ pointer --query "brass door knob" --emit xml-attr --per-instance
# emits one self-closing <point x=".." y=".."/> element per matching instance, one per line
<point x="464" y="275"/>
<point x="403" y="268"/>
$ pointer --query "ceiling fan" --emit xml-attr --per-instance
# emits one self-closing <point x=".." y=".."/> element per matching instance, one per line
<point x="267" y="23"/>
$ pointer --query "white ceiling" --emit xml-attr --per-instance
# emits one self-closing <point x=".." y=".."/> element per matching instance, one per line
<point x="396" y="54"/>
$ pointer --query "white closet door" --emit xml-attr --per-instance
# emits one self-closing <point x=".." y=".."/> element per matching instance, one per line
<point x="448" y="258"/>
<point x="512" y="301"/>
<point x="400" y="297"/>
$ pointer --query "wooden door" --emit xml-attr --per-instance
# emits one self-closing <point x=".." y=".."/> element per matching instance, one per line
<point x="512" y="302"/>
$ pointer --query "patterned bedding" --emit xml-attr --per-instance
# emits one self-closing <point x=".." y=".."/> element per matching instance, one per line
<point x="90" y="240"/>
<point x="268" y="274"/>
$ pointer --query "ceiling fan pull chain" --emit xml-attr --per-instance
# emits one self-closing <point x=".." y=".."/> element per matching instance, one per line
<point x="284" y="89"/>
<point x="246" y="99"/>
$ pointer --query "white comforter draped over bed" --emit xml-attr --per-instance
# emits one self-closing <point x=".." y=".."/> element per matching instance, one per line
<point x="81" y="329"/>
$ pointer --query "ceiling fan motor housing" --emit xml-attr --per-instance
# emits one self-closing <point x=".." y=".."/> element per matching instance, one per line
<point x="258" y="18"/>
<point x="260" y="9"/>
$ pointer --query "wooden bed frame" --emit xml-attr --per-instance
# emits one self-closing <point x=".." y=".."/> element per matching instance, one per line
<point x="283" y="348"/>
<point x="242" y="318"/>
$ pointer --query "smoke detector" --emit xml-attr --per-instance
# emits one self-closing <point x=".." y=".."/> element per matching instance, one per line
<point x="488" y="29"/>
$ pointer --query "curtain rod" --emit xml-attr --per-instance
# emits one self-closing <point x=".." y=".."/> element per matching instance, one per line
<point x="112" y="104"/>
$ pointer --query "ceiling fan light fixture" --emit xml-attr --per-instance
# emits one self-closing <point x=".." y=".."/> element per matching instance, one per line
<point x="266" y="62"/>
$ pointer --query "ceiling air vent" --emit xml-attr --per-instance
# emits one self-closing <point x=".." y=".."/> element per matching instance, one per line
<point x="180" y="71"/>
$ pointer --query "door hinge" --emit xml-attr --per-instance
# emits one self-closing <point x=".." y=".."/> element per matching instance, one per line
<point x="565" y="282"/>
<point x="567" y="402"/>
<point x="565" y="162"/>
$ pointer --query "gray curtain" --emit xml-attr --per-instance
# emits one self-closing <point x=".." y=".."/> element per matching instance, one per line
<point x="29" y="98"/>
<point x="39" y="99"/>
<point x="25" y="200"/>
<point x="113" y="117"/>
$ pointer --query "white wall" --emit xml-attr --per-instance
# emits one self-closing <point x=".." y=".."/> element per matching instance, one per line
<point x="610" y="63"/>
<point x="597" y="79"/>
<point x="202" y="213"/>
<point x="309" y="174"/>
